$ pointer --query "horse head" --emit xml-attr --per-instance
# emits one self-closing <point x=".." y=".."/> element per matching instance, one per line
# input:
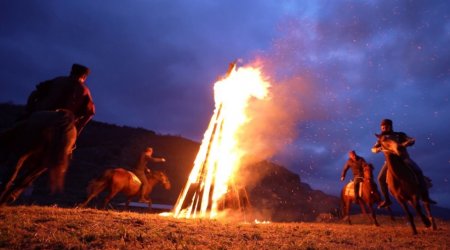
<point x="368" y="171"/>
<point x="389" y="144"/>
<point x="162" y="177"/>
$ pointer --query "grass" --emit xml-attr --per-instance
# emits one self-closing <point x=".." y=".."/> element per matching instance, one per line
<point x="37" y="227"/>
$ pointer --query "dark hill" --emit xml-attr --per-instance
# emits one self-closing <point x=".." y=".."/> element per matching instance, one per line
<point x="277" y="191"/>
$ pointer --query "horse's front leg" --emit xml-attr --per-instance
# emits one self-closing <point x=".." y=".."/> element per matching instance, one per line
<point x="10" y="177"/>
<point x="150" y="203"/>
<point x="428" y="212"/>
<point x="389" y="209"/>
<point x="347" y="211"/>
<point x="127" y="203"/>
<point x="409" y="215"/>
<point x="25" y="182"/>
<point x="374" y="216"/>
<point x="362" y="206"/>
<point x="419" y="211"/>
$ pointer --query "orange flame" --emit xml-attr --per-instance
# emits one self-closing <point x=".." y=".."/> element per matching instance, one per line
<point x="219" y="156"/>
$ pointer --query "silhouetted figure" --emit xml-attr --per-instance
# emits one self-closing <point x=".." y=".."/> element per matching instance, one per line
<point x="41" y="143"/>
<point x="355" y="163"/>
<point x="141" y="169"/>
<point x="65" y="92"/>
<point x="405" y="141"/>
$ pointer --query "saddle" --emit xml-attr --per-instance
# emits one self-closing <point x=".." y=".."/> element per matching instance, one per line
<point x="135" y="178"/>
<point x="350" y="190"/>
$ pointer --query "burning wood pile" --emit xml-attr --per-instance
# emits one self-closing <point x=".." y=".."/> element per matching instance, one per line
<point x="212" y="185"/>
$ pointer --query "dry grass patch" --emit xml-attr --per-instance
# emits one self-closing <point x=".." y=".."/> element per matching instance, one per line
<point x="37" y="227"/>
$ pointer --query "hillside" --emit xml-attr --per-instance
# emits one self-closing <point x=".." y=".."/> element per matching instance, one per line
<point x="277" y="193"/>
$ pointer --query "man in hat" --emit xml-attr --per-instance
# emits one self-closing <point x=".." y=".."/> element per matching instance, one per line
<point x="140" y="169"/>
<point x="355" y="163"/>
<point x="406" y="141"/>
<point x="65" y="92"/>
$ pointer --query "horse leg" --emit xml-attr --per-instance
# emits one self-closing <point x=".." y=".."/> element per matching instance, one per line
<point x="409" y="215"/>
<point x="419" y="211"/>
<point x="11" y="176"/>
<point x="363" y="207"/>
<point x="91" y="196"/>
<point x="149" y="203"/>
<point x="369" y="214"/>
<point x="127" y="203"/>
<point x="95" y="188"/>
<point x="60" y="162"/>
<point x="108" y="198"/>
<point x="25" y="182"/>
<point x="347" y="211"/>
<point x="428" y="212"/>
<point x="390" y="213"/>
<point x="372" y="212"/>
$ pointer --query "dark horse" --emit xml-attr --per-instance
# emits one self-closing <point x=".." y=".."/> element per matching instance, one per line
<point x="118" y="180"/>
<point x="402" y="182"/>
<point x="369" y="196"/>
<point x="44" y="141"/>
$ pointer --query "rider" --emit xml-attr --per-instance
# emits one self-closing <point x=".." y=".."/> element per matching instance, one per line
<point x="65" y="92"/>
<point x="141" y="168"/>
<point x="356" y="163"/>
<point x="405" y="141"/>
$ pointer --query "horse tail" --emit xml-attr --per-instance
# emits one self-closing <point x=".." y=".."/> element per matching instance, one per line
<point x="99" y="184"/>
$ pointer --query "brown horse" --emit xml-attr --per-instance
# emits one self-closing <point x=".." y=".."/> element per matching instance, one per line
<point x="121" y="180"/>
<point x="402" y="182"/>
<point x="369" y="196"/>
<point x="44" y="141"/>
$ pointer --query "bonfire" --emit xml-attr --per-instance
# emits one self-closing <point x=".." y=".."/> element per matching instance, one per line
<point x="212" y="186"/>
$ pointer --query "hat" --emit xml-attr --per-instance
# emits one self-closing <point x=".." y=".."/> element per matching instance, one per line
<point x="78" y="69"/>
<point x="386" y="122"/>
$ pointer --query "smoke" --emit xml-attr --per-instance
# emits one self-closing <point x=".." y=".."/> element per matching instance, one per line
<point x="273" y="121"/>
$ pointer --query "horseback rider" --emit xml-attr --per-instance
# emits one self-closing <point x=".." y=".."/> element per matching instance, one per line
<point x="141" y="169"/>
<point x="65" y="92"/>
<point x="405" y="141"/>
<point x="355" y="163"/>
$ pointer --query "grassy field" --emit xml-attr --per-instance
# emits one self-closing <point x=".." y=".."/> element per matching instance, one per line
<point x="35" y="227"/>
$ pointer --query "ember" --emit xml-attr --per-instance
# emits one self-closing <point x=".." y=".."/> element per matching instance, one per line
<point x="211" y="186"/>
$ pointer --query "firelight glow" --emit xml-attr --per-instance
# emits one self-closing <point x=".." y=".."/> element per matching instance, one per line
<point x="219" y="156"/>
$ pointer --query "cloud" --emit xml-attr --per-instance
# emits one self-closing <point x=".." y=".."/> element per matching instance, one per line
<point x="349" y="64"/>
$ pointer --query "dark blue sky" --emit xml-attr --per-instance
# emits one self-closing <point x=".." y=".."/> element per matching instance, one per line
<point x="349" y="64"/>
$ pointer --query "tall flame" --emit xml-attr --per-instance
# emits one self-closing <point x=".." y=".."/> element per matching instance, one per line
<point x="219" y="156"/>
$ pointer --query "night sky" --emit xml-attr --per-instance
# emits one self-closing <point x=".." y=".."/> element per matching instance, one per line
<point x="338" y="68"/>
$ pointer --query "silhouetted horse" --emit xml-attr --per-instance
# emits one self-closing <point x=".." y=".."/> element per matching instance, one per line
<point x="44" y="141"/>
<point x="121" y="180"/>
<point x="369" y="196"/>
<point x="402" y="182"/>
